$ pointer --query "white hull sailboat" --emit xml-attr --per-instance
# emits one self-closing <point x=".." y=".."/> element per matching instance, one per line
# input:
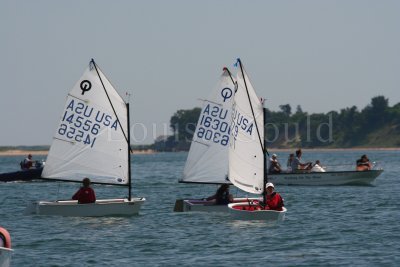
<point x="245" y="211"/>
<point x="207" y="161"/>
<point x="247" y="153"/>
<point x="103" y="207"/>
<point x="325" y="178"/>
<point x="92" y="140"/>
<point x="5" y="257"/>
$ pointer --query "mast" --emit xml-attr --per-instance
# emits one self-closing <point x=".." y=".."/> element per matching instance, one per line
<point x="265" y="162"/>
<point x="129" y="155"/>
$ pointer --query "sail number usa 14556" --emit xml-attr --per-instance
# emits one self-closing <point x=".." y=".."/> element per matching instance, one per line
<point x="82" y="123"/>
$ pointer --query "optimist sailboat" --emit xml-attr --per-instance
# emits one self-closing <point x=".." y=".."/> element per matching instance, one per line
<point x="247" y="162"/>
<point x="207" y="161"/>
<point x="92" y="140"/>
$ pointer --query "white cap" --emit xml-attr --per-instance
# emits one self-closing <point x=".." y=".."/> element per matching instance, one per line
<point x="274" y="155"/>
<point x="269" y="184"/>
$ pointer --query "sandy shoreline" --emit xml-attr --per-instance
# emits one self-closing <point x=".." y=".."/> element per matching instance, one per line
<point x="337" y="149"/>
<point x="16" y="152"/>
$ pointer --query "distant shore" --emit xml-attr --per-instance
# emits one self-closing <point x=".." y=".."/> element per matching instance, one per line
<point x="338" y="149"/>
<point x="19" y="152"/>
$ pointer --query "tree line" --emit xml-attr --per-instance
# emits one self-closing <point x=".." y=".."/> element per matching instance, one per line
<point x="376" y="125"/>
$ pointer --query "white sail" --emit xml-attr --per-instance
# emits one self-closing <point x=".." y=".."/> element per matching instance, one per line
<point x="90" y="141"/>
<point x="246" y="159"/>
<point x="207" y="160"/>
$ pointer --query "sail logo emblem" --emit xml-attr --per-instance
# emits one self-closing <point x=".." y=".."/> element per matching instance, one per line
<point x="85" y="86"/>
<point x="226" y="93"/>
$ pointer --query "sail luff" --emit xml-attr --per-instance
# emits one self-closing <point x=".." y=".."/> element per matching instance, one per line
<point x="108" y="97"/>
<point x="251" y="106"/>
<point x="265" y="181"/>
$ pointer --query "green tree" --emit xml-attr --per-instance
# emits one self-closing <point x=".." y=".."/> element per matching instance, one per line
<point x="286" y="109"/>
<point x="183" y="123"/>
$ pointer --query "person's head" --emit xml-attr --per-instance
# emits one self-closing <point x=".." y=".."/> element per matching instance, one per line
<point x="224" y="187"/>
<point x="86" y="182"/>
<point x="29" y="156"/>
<point x="364" y="158"/>
<point x="270" y="188"/>
<point x="317" y="162"/>
<point x="274" y="156"/>
<point x="291" y="155"/>
<point x="298" y="152"/>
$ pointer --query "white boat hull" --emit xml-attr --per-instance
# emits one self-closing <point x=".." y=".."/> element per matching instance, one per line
<point x="187" y="205"/>
<point x="5" y="257"/>
<point x="265" y="215"/>
<point x="104" y="207"/>
<point x="325" y="178"/>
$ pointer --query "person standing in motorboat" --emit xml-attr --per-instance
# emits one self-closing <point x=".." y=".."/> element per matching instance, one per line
<point x="289" y="162"/>
<point x="273" y="199"/>
<point x="85" y="194"/>
<point x="222" y="196"/>
<point x="274" y="166"/>
<point x="27" y="163"/>
<point x="363" y="164"/>
<point x="298" y="165"/>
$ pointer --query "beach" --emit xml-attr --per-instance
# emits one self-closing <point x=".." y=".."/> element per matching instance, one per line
<point x="19" y="152"/>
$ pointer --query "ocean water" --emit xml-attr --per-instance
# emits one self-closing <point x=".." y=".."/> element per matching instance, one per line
<point x="324" y="226"/>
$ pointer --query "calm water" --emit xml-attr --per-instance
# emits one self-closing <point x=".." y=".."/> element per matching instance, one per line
<point x="324" y="226"/>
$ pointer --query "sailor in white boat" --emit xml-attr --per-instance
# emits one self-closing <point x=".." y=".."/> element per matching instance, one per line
<point x="222" y="196"/>
<point x="274" y="199"/>
<point x="298" y="165"/>
<point x="317" y="167"/>
<point x="274" y="165"/>
<point x="85" y="194"/>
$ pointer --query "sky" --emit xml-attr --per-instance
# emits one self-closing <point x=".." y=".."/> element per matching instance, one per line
<point x="321" y="55"/>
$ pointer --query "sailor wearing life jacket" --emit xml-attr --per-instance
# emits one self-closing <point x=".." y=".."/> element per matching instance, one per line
<point x="274" y="200"/>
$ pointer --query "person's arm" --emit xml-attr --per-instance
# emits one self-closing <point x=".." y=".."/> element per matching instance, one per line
<point x="92" y="196"/>
<point x="211" y="197"/>
<point x="369" y="165"/>
<point x="230" y="197"/>
<point x="76" y="195"/>
<point x="306" y="165"/>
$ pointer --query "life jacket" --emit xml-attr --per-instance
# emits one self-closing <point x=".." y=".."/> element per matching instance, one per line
<point x="222" y="199"/>
<point x="274" y="201"/>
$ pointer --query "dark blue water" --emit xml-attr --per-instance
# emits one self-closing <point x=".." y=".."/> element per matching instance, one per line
<point x="324" y="226"/>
